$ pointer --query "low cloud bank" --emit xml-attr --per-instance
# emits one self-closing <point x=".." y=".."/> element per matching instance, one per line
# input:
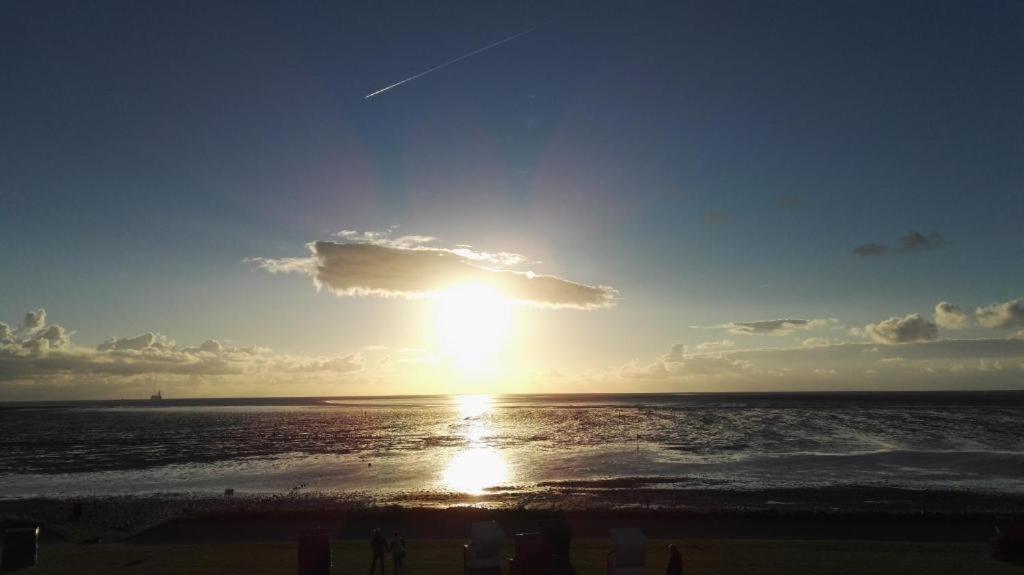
<point x="35" y="352"/>
<point x="939" y="364"/>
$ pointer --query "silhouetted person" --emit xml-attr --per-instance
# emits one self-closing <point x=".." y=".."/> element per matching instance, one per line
<point x="76" y="512"/>
<point x="379" y="545"/>
<point x="398" y="552"/>
<point x="675" y="561"/>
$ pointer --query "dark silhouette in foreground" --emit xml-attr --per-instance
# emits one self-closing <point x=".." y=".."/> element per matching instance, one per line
<point x="675" y="561"/>
<point x="20" y="548"/>
<point x="398" y="552"/>
<point x="482" y="555"/>
<point x="1008" y="543"/>
<point x="532" y="555"/>
<point x="315" y="552"/>
<point x="379" y="546"/>
<point x="627" y="553"/>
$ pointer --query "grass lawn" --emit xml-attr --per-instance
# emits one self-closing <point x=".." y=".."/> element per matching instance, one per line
<point x="444" y="556"/>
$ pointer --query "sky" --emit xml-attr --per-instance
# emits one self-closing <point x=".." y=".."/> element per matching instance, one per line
<point x="676" y="196"/>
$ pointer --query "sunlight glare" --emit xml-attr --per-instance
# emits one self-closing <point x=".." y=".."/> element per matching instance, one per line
<point x="472" y="325"/>
<point x="474" y="470"/>
<point x="473" y="405"/>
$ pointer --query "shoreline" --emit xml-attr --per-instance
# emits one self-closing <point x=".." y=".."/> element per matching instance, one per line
<point x="827" y="513"/>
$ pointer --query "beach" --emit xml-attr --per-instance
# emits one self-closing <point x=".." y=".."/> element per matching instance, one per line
<point x="772" y="483"/>
<point x="155" y="535"/>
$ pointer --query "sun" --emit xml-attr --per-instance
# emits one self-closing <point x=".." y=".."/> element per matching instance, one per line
<point x="472" y="323"/>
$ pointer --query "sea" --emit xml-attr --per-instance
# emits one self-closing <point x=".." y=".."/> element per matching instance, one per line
<point x="474" y="445"/>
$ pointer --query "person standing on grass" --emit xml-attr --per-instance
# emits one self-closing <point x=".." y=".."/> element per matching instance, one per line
<point x="379" y="545"/>
<point x="398" y="552"/>
<point x="675" y="561"/>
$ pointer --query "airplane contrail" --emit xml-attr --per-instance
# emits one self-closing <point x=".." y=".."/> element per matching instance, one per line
<point x="452" y="61"/>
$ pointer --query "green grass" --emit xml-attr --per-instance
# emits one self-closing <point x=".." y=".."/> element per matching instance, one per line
<point x="444" y="556"/>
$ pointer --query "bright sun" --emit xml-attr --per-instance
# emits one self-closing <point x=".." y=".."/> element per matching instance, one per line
<point x="472" y="325"/>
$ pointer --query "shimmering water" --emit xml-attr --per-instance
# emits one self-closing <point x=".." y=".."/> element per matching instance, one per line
<point x="475" y="444"/>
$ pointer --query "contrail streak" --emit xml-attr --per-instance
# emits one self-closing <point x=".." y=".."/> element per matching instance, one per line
<point x="452" y="61"/>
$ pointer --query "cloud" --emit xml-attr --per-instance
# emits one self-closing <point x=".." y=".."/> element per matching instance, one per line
<point x="776" y="327"/>
<point x="33" y="335"/>
<point x="372" y="264"/>
<point x="870" y="249"/>
<point x="676" y="353"/>
<point x="716" y="217"/>
<point x="912" y="242"/>
<point x="816" y="342"/>
<point x="790" y="202"/>
<point x="33" y="322"/>
<point x="915" y="241"/>
<point x="40" y="353"/>
<point x="950" y="316"/>
<point x="939" y="364"/>
<point x="910" y="328"/>
<point x="715" y="345"/>
<point x="679" y="366"/>
<point x="1002" y="315"/>
<point x="148" y="340"/>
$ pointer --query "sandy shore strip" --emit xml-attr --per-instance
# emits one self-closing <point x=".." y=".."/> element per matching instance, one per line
<point x="444" y="557"/>
<point x="838" y="513"/>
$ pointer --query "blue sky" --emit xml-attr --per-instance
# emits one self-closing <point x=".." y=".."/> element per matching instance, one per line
<point x="713" y="162"/>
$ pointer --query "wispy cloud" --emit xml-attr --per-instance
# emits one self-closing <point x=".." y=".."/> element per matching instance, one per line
<point x="912" y="242"/>
<point x="776" y="327"/>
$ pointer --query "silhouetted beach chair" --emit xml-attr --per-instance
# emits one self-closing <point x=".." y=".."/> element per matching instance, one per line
<point x="482" y="555"/>
<point x="1008" y="543"/>
<point x="20" y="548"/>
<point x="533" y="557"/>
<point x="558" y="535"/>
<point x="315" y="552"/>
<point x="627" y="555"/>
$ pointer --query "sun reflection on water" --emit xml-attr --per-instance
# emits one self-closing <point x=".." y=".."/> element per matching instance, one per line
<point x="474" y="470"/>
<point x="478" y="466"/>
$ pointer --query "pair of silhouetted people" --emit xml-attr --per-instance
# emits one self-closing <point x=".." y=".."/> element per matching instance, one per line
<point x="380" y="546"/>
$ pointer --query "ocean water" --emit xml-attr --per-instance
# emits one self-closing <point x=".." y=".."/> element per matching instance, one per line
<point x="474" y="445"/>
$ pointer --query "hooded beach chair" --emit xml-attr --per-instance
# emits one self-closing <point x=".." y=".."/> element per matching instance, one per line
<point x="532" y="555"/>
<point x="628" y="551"/>
<point x="482" y="555"/>
<point x="558" y="535"/>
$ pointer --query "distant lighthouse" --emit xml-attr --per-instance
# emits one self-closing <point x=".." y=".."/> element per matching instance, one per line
<point x="158" y="396"/>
